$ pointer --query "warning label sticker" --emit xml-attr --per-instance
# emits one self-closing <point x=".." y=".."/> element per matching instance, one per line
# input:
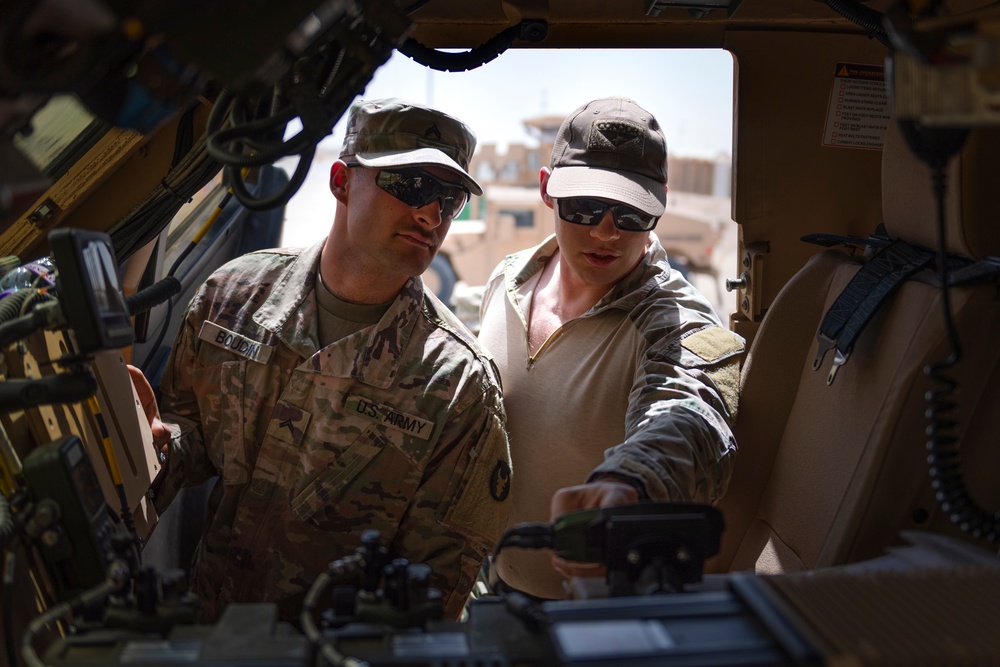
<point x="858" y="113"/>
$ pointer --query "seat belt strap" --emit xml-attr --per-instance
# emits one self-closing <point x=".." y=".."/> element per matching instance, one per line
<point x="867" y="290"/>
<point x="830" y="240"/>
<point x="974" y="272"/>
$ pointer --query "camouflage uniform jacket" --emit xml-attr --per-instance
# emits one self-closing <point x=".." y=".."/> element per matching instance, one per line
<point x="641" y="387"/>
<point x="398" y="427"/>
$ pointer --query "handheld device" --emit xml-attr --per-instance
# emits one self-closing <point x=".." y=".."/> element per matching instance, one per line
<point x="71" y="522"/>
<point x="90" y="289"/>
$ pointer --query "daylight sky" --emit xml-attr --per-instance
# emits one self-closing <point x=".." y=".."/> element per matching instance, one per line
<point x="689" y="91"/>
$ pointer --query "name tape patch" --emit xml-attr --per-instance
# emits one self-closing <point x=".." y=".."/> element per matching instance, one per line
<point x="388" y="416"/>
<point x="236" y="343"/>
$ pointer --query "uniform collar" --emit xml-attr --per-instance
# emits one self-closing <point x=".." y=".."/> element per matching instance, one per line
<point x="291" y="313"/>
<point x="648" y="273"/>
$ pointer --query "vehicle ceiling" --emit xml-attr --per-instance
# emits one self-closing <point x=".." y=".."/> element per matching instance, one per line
<point x="466" y="24"/>
<point x="625" y="23"/>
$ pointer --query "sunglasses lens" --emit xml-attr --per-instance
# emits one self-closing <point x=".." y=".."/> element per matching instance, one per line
<point x="582" y="211"/>
<point x="418" y="188"/>
<point x="400" y="184"/>
<point x="629" y="219"/>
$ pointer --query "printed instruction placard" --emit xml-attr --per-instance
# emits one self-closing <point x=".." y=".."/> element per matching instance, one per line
<point x="858" y="113"/>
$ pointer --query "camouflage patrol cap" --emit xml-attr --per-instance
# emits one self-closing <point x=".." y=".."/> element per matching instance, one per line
<point x="395" y="133"/>
<point x="611" y="148"/>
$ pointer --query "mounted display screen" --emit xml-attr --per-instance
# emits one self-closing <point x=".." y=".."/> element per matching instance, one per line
<point x="89" y="289"/>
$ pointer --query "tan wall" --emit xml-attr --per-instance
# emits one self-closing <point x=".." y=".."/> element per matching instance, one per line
<point x="474" y="255"/>
<point x="687" y="229"/>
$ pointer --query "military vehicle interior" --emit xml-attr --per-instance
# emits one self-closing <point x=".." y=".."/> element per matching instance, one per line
<point x="862" y="521"/>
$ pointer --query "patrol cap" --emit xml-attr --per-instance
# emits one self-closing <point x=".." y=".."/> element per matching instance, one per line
<point x="611" y="148"/>
<point x="395" y="133"/>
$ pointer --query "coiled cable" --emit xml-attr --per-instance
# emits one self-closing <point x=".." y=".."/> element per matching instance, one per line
<point x="943" y="451"/>
<point x="529" y="30"/>
<point x="867" y="18"/>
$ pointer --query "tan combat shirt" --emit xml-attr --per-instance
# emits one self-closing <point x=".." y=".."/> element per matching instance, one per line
<point x="398" y="427"/>
<point x="643" y="385"/>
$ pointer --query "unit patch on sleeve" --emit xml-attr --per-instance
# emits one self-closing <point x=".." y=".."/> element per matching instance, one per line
<point x="389" y="416"/>
<point x="235" y="343"/>
<point x="500" y="481"/>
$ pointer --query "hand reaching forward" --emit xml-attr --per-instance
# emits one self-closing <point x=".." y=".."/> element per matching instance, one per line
<point x="604" y="493"/>
<point x="161" y="434"/>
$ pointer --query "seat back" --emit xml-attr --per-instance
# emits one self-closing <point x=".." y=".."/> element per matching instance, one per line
<point x="830" y="474"/>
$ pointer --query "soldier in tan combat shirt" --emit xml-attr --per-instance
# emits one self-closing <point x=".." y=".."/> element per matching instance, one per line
<point x="331" y="393"/>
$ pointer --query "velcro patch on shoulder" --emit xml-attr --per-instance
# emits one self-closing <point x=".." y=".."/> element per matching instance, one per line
<point x="713" y="343"/>
<point x="484" y="500"/>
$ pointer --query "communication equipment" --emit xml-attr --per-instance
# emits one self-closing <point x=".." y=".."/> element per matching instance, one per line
<point x="90" y="289"/>
<point x="71" y="523"/>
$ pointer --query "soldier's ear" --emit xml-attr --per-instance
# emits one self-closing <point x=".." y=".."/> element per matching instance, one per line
<point x="340" y="175"/>
<point x="544" y="174"/>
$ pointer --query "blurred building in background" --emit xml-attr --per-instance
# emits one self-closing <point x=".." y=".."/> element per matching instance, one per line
<point x="696" y="229"/>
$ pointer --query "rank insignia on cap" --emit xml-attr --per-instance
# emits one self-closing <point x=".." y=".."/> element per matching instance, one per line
<point x="500" y="482"/>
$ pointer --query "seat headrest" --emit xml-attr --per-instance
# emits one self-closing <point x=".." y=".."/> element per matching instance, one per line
<point x="973" y="206"/>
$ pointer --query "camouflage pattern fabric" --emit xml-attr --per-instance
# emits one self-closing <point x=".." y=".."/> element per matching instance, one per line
<point x="398" y="427"/>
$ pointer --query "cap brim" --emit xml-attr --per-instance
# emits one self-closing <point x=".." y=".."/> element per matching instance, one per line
<point x="645" y="194"/>
<point x="419" y="157"/>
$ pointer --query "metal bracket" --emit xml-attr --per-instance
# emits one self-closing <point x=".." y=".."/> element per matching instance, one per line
<point x="750" y="282"/>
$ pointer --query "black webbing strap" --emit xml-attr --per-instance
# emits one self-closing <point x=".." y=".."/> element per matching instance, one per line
<point x="974" y="272"/>
<point x="830" y="240"/>
<point x="855" y="306"/>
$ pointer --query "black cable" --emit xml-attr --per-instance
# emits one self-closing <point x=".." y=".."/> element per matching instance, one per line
<point x="9" y="563"/>
<point x="153" y="295"/>
<point x="184" y="139"/>
<point x="170" y="301"/>
<point x="147" y="220"/>
<point x="416" y="6"/>
<point x="935" y="147"/>
<point x="525" y="536"/>
<point x="944" y="455"/>
<point x="529" y="30"/>
<point x="317" y="90"/>
<point x="159" y="336"/>
<point x="22" y="327"/>
<point x="867" y="18"/>
<point x="10" y="305"/>
<point x="280" y="198"/>
<point x="7" y="526"/>
<point x="87" y="599"/>
<point x="336" y="571"/>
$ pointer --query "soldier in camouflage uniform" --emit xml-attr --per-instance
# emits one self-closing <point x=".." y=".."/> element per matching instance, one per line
<point x="331" y="393"/>
<point x="619" y="381"/>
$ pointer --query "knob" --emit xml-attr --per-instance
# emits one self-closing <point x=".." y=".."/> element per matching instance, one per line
<point x="741" y="283"/>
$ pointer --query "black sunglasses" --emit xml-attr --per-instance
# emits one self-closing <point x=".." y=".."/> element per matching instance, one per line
<point x="417" y="188"/>
<point x="590" y="212"/>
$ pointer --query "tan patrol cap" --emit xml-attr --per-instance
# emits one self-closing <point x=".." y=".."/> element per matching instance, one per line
<point x="395" y="133"/>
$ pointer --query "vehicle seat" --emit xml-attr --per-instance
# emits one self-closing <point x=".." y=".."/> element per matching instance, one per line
<point x="830" y="474"/>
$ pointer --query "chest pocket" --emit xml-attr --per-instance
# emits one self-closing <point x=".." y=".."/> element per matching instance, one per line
<point x="220" y="390"/>
<point x="330" y="484"/>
